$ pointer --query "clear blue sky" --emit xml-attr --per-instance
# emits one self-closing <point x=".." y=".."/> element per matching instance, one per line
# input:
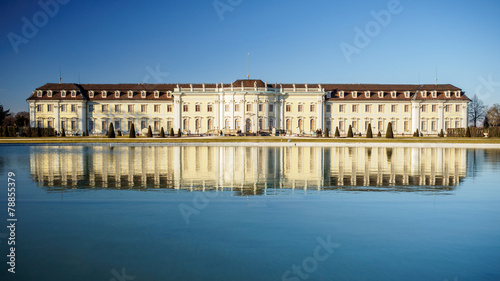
<point x="289" y="41"/>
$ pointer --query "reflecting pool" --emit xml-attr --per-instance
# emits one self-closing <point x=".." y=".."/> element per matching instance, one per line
<point x="100" y="212"/>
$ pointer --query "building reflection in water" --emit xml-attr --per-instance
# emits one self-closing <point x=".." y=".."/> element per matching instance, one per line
<point x="248" y="170"/>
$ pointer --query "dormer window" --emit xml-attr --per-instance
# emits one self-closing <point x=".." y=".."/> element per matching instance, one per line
<point x="117" y="94"/>
<point x="447" y="94"/>
<point x="434" y="94"/>
<point x="407" y="94"/>
<point x="39" y="93"/>
<point x="457" y="94"/>
<point x="104" y="94"/>
<point x="393" y="94"/>
<point x="73" y="93"/>
<point x="341" y="94"/>
<point x="157" y="93"/>
<point x="130" y="94"/>
<point x="367" y="94"/>
<point x="380" y="94"/>
<point x="169" y="94"/>
<point x="63" y="93"/>
<point x="91" y="94"/>
<point x="355" y="94"/>
<point x="143" y="94"/>
<point x="49" y="93"/>
<point x="424" y="94"/>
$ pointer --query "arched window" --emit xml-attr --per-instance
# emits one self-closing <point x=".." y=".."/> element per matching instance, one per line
<point x="301" y="125"/>
<point x="312" y="124"/>
<point x="288" y="124"/>
<point x="197" y="125"/>
<point x="186" y="124"/>
<point x="210" y="124"/>
<point x="237" y="124"/>
<point x="249" y="125"/>
<point x="261" y="124"/>
<point x="271" y="123"/>
<point x="226" y="125"/>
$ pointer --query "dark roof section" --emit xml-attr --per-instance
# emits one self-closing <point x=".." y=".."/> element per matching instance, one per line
<point x="82" y="90"/>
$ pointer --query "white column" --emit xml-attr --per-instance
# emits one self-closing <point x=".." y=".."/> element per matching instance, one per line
<point x="440" y="117"/>
<point x="321" y="115"/>
<point x="277" y="119"/>
<point x="266" y="114"/>
<point x="217" y="114"/>
<point x="82" y="117"/>
<point x="177" y="112"/>
<point x="415" y="116"/>
<point x="465" y="115"/>
<point x="243" y="118"/>
<point x="33" y="114"/>
<point x="255" y="121"/>
<point x="57" y="120"/>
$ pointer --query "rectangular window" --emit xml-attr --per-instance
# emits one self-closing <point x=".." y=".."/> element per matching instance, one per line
<point x="91" y="125"/>
<point x="407" y="108"/>
<point x="143" y="124"/>
<point x="117" y="108"/>
<point x="157" y="125"/>
<point x="434" y="108"/>
<point x="91" y="108"/>
<point x="355" y="125"/>
<point x="39" y="108"/>
<point x="209" y="108"/>
<point x="185" y="108"/>
<point x="73" y="125"/>
<point x="424" y="126"/>
<point x="457" y="124"/>
<point x="261" y="107"/>
<point x="288" y="108"/>
<point x="63" y="108"/>
<point x="424" y="108"/>
<point x="104" y="125"/>
<point x="367" y="108"/>
<point x="117" y="125"/>
<point x="380" y="108"/>
<point x="73" y="108"/>
<point x="341" y="125"/>
<point x="380" y="126"/>
<point x="130" y="108"/>
<point x="104" y="108"/>
<point x="328" y="108"/>
<point x="157" y="108"/>
<point x="249" y="107"/>
<point x="313" y="108"/>
<point x="226" y="108"/>
<point x="341" y="108"/>
<point x="197" y="108"/>
<point x="457" y="108"/>
<point x="433" y="126"/>
<point x="271" y="108"/>
<point x="144" y="108"/>
<point x="394" y="108"/>
<point x="169" y="108"/>
<point x="447" y="108"/>
<point x="49" y="124"/>
<point x="300" y="108"/>
<point x="49" y="108"/>
<point x="407" y="126"/>
<point x="169" y="125"/>
<point x="354" y="108"/>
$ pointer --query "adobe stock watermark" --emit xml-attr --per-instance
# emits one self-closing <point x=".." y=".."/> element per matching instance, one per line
<point x="363" y="37"/>
<point x="201" y="200"/>
<point x="121" y="276"/>
<point x="30" y="28"/>
<point x="223" y="6"/>
<point x="310" y="264"/>
<point x="157" y="74"/>
<point x="486" y="87"/>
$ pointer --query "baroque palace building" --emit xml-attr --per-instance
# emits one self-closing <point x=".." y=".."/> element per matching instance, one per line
<point x="249" y="106"/>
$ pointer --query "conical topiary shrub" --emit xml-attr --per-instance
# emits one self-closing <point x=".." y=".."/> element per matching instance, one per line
<point x="111" y="131"/>
<point x="131" y="134"/>
<point x="337" y="133"/>
<point x="467" y="133"/>
<point x="441" y="134"/>
<point x="179" y="133"/>
<point x="369" y="133"/>
<point x="63" y="133"/>
<point x="416" y="134"/>
<point x="162" y="133"/>
<point x="150" y="133"/>
<point x="379" y="134"/>
<point x="171" y="132"/>
<point x="327" y="133"/>
<point x="389" y="134"/>
<point x="349" y="133"/>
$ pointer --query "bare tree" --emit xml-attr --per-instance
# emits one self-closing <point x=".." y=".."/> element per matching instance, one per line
<point x="477" y="111"/>
<point x="493" y="114"/>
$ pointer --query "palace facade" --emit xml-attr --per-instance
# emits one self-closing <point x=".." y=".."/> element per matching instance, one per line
<point x="249" y="106"/>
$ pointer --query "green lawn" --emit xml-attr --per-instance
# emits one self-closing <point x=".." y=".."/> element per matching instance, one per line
<point x="245" y="139"/>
